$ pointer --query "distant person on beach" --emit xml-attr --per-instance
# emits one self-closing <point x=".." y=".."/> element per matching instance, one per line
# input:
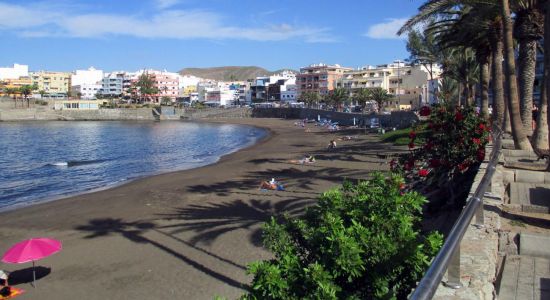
<point x="4" y="278"/>
<point x="535" y="114"/>
<point x="332" y="144"/>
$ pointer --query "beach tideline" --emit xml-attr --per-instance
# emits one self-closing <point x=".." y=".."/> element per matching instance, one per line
<point x="188" y="234"/>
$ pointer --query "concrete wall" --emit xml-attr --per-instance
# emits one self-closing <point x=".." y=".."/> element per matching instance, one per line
<point x="119" y="114"/>
<point x="39" y="114"/>
<point x="399" y="119"/>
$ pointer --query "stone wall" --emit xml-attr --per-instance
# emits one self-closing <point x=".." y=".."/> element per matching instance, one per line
<point x="398" y="119"/>
<point x="479" y="247"/>
<point x="39" y="114"/>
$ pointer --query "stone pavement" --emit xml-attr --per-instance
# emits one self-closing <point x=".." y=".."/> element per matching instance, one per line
<point x="525" y="273"/>
<point x="526" y="278"/>
<point x="530" y="197"/>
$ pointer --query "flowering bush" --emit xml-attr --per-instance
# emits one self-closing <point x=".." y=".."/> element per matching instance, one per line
<point x="454" y="144"/>
<point x="360" y="241"/>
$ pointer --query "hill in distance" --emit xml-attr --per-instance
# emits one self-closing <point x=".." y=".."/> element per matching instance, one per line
<point x="230" y="73"/>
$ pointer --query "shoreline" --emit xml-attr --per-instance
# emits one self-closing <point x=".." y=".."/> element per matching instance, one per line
<point x="123" y="182"/>
<point x="189" y="234"/>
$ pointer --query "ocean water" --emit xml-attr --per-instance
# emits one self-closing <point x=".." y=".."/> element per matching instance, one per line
<point x="48" y="160"/>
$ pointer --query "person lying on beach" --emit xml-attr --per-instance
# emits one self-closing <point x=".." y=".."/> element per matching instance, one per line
<point x="346" y="138"/>
<point x="306" y="160"/>
<point x="271" y="185"/>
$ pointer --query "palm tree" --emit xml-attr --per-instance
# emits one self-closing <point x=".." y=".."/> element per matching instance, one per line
<point x="546" y="74"/>
<point x="26" y="91"/>
<point x="447" y="90"/>
<point x="309" y="98"/>
<point x="381" y="96"/>
<point x="520" y="138"/>
<point x="338" y="97"/>
<point x="361" y="97"/>
<point x="497" y="74"/>
<point x="528" y="29"/>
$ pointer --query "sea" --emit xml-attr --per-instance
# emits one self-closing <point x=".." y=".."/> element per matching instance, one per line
<point x="44" y="161"/>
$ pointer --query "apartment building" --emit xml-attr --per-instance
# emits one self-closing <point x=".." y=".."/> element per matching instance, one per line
<point x="272" y="88"/>
<point x="319" y="78"/>
<point x="113" y="84"/>
<point x="410" y="84"/>
<point x="14" y="72"/>
<point x="52" y="82"/>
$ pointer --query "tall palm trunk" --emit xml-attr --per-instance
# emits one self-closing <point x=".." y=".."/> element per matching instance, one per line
<point x="546" y="74"/>
<point x="484" y="82"/>
<point x="520" y="138"/>
<point x="526" y="79"/>
<point x="540" y="136"/>
<point x="497" y="76"/>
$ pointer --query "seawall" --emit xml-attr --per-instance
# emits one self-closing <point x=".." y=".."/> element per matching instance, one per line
<point x="397" y="119"/>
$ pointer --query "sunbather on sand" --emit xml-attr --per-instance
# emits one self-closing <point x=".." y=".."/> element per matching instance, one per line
<point x="271" y="185"/>
<point x="308" y="159"/>
<point x="266" y="185"/>
<point x="346" y="138"/>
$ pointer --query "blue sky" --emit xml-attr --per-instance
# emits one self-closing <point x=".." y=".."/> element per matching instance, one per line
<point x="65" y="35"/>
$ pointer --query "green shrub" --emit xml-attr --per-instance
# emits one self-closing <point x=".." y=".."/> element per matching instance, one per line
<point x="361" y="241"/>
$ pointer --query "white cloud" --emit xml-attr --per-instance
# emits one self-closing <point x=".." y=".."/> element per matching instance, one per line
<point x="163" y="4"/>
<point x="386" y="30"/>
<point x="174" y="24"/>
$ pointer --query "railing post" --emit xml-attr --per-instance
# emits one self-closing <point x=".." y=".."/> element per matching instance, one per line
<point x="480" y="216"/>
<point x="453" y="271"/>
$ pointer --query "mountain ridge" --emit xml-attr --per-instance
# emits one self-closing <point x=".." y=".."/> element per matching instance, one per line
<point x="230" y="73"/>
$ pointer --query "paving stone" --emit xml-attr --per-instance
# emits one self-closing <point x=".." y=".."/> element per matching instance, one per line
<point x="529" y="176"/>
<point x="532" y="197"/>
<point x="534" y="245"/>
<point x="509" y="280"/>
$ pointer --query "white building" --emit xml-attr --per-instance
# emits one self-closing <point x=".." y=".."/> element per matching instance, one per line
<point x="113" y="83"/>
<point x="188" y="80"/>
<point x="86" y="91"/>
<point x="14" y="72"/>
<point x="83" y="77"/>
<point x="289" y="93"/>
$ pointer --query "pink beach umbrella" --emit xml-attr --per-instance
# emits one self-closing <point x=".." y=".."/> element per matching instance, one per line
<point x="31" y="250"/>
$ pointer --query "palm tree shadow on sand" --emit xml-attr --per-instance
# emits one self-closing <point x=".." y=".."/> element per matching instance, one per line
<point x="134" y="232"/>
<point x="209" y="221"/>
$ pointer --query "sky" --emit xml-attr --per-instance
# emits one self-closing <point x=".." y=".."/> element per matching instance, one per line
<point x="65" y="35"/>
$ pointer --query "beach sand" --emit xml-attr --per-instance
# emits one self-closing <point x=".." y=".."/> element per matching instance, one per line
<point x="187" y="234"/>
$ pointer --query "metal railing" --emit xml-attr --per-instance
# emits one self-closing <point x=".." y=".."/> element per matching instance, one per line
<point x="448" y="257"/>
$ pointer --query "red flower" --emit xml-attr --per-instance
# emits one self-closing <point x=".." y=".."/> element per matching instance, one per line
<point x="480" y="154"/>
<point x="425" y="111"/>
<point x="434" y="163"/>
<point x="411" y="145"/>
<point x="412" y="135"/>
<point x="476" y="141"/>
<point x="423" y="172"/>
<point x="463" y="166"/>
<point x="428" y="146"/>
<point x="458" y="116"/>
<point x="482" y="126"/>
<point x="401" y="186"/>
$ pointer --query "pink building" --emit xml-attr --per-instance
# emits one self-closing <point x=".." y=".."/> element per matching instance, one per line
<point x="167" y="84"/>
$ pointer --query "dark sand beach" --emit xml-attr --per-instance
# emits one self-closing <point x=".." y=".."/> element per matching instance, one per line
<point x="188" y="234"/>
